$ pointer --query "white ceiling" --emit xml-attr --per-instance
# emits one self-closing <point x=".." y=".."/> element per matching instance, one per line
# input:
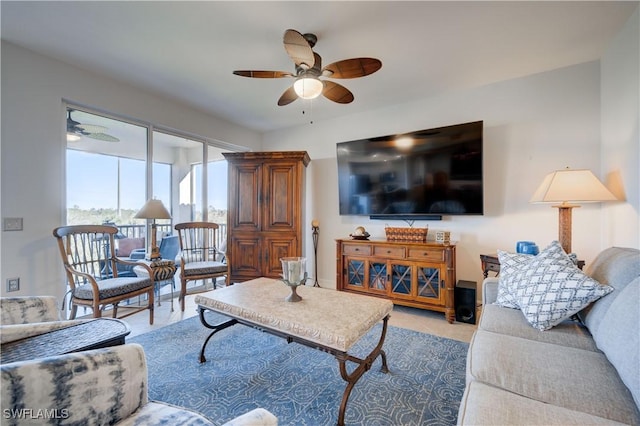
<point x="188" y="50"/>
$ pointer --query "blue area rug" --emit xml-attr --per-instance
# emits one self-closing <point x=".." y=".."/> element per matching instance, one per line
<point x="247" y="368"/>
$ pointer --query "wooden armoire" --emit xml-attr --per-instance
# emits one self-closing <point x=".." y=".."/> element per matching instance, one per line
<point x="265" y="211"/>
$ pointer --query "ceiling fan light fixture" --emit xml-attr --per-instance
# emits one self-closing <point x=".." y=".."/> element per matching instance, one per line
<point x="72" y="137"/>
<point x="308" y="87"/>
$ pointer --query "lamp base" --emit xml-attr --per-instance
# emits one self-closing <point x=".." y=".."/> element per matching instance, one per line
<point x="154" y="255"/>
<point x="564" y="225"/>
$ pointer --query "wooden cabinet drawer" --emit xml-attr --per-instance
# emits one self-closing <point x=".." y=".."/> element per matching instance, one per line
<point x="426" y="254"/>
<point x="389" y="251"/>
<point x="357" y="249"/>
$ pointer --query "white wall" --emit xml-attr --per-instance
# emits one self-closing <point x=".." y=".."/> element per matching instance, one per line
<point x="621" y="135"/>
<point x="532" y="126"/>
<point x="33" y="146"/>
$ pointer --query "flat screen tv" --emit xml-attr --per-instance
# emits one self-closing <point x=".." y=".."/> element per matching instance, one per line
<point x="427" y="173"/>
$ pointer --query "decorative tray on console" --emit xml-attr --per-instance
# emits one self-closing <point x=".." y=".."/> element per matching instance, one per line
<point x="364" y="236"/>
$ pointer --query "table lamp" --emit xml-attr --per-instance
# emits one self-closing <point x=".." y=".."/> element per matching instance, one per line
<point x="567" y="187"/>
<point x="153" y="209"/>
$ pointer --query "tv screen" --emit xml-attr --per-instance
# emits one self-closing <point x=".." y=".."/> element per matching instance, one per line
<point x="428" y="172"/>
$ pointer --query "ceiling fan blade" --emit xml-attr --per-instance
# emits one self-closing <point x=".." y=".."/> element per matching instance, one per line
<point x="91" y="128"/>
<point x="263" y="74"/>
<point x="337" y="93"/>
<point x="103" y="137"/>
<point x="287" y="97"/>
<point x="352" y="68"/>
<point x="298" y="48"/>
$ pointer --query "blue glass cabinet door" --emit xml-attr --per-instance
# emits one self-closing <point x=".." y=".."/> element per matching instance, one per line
<point x="401" y="280"/>
<point x="355" y="274"/>
<point x="430" y="284"/>
<point x="378" y="277"/>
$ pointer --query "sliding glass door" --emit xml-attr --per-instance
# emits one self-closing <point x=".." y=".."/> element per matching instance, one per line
<point x="106" y="170"/>
<point x="115" y="165"/>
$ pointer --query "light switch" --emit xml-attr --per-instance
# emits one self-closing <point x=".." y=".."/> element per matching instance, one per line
<point x="12" y="224"/>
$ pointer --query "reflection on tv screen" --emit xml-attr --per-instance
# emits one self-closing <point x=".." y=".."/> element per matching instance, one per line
<point x="434" y="171"/>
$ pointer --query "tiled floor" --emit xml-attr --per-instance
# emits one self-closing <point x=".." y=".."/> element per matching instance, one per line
<point x="405" y="317"/>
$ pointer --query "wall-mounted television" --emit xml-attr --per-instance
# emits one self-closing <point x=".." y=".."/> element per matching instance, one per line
<point x="422" y="174"/>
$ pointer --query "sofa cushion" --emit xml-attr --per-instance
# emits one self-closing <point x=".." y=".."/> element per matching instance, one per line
<point x="203" y="268"/>
<point x="513" y="323"/>
<point x="567" y="377"/>
<point x="13" y="332"/>
<point x="486" y="405"/>
<point x="617" y="267"/>
<point x="550" y="288"/>
<point x="112" y="287"/>
<point x="618" y="336"/>
<point x="510" y="264"/>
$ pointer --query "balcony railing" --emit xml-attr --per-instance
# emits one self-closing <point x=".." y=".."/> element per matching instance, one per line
<point x="138" y="231"/>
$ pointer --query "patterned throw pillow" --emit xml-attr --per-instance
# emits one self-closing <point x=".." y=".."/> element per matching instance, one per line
<point x="510" y="263"/>
<point x="551" y="288"/>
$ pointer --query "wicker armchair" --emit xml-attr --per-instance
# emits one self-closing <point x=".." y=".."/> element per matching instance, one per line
<point x="200" y="259"/>
<point x="91" y="265"/>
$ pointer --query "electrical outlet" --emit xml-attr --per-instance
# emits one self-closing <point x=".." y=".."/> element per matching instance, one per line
<point x="13" y="284"/>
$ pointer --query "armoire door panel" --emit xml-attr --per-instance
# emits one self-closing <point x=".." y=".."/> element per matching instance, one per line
<point x="246" y="197"/>
<point x="280" y="180"/>
<point x="275" y="249"/>
<point x="246" y="256"/>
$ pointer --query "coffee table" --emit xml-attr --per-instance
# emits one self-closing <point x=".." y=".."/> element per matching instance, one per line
<point x="91" y="334"/>
<point x="327" y="320"/>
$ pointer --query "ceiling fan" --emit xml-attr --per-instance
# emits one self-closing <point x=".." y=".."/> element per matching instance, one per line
<point x="309" y="70"/>
<point x="75" y="129"/>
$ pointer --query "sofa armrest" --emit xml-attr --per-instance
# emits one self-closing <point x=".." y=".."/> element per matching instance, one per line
<point x="489" y="290"/>
<point x="108" y="384"/>
<point x="13" y="332"/>
<point x="29" y="309"/>
<point x="257" y="417"/>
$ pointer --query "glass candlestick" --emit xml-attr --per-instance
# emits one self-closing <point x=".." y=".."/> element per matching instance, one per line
<point x="294" y="273"/>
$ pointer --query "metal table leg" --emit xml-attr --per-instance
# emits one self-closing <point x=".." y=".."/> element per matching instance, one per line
<point x="364" y="365"/>
<point x="214" y="327"/>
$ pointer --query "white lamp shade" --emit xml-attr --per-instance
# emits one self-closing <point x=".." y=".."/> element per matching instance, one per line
<point x="308" y="87"/>
<point x="571" y="186"/>
<point x="153" y="209"/>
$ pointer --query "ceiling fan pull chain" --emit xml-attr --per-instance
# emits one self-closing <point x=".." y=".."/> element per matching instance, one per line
<point x="310" y="103"/>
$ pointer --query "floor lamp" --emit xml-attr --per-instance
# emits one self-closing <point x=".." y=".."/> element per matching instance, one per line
<point x="315" y="226"/>
<point x="569" y="187"/>
<point x="153" y="209"/>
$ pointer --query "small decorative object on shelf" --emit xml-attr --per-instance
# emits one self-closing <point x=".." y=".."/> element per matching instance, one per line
<point x="294" y="273"/>
<point x="527" y="247"/>
<point x="443" y="237"/>
<point x="406" y="234"/>
<point x="360" y="234"/>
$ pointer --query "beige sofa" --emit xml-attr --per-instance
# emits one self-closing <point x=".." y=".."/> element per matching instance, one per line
<point x="571" y="374"/>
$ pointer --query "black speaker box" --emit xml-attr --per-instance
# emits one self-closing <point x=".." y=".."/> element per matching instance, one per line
<point x="465" y="301"/>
